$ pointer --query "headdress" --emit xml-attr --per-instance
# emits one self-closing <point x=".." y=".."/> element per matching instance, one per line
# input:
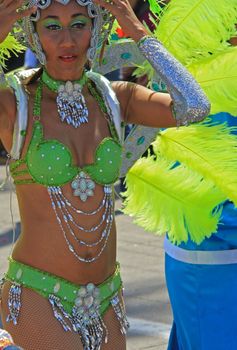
<point x="102" y="24"/>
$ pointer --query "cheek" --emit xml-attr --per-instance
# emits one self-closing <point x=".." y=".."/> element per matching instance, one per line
<point x="84" y="38"/>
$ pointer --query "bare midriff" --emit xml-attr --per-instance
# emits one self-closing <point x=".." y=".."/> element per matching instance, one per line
<point x="41" y="243"/>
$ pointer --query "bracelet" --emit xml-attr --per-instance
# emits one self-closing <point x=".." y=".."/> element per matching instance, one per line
<point x="144" y="38"/>
<point x="190" y="104"/>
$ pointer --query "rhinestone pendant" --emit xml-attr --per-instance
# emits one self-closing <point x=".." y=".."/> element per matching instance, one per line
<point x="71" y="104"/>
<point x="83" y="186"/>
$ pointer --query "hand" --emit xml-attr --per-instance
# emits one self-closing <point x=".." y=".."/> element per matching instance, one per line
<point x="123" y="12"/>
<point x="10" y="12"/>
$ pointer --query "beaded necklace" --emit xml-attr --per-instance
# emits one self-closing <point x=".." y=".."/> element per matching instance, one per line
<point x="70" y="102"/>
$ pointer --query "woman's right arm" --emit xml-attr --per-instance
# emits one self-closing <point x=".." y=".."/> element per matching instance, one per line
<point x="10" y="12"/>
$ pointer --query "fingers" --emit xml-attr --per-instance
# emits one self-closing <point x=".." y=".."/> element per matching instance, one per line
<point x="107" y="5"/>
<point x="24" y="13"/>
<point x="9" y="5"/>
<point x="116" y="7"/>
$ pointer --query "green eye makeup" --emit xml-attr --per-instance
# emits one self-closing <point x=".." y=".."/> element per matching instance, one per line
<point x="80" y="21"/>
<point x="52" y="24"/>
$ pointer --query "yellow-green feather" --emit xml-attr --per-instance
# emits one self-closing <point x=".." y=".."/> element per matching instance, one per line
<point x="209" y="150"/>
<point x="217" y="75"/>
<point x="194" y="29"/>
<point x="176" y="200"/>
<point x="9" y="46"/>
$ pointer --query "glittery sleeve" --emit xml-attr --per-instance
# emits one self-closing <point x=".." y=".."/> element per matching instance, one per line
<point x="190" y="104"/>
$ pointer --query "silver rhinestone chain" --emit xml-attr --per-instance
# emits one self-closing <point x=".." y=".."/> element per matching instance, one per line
<point x="64" y="201"/>
<point x="59" y="203"/>
<point x="68" y="217"/>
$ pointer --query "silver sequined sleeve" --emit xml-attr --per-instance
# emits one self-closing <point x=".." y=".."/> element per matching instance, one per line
<point x="190" y="104"/>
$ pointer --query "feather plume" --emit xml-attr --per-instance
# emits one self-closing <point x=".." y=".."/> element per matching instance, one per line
<point x="217" y="75"/>
<point x="193" y="29"/>
<point x="167" y="198"/>
<point x="208" y="150"/>
<point x="155" y="8"/>
<point x="7" y="47"/>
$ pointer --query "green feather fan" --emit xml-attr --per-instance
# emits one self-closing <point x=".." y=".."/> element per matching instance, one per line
<point x="164" y="198"/>
<point x="217" y="75"/>
<point x="209" y="150"/>
<point x="193" y="29"/>
<point x="7" y="47"/>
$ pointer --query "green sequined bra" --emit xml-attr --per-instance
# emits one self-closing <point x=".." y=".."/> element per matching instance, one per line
<point x="50" y="163"/>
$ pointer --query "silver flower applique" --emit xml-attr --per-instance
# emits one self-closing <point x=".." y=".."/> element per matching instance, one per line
<point x="87" y="303"/>
<point x="83" y="186"/>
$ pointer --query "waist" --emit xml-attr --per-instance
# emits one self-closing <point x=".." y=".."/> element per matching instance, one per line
<point x="48" y="284"/>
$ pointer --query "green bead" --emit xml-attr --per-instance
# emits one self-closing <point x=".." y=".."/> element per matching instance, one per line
<point x="128" y="155"/>
<point x="141" y="140"/>
<point x="155" y="86"/>
<point x="114" y="36"/>
<point x="126" y="55"/>
<point x="104" y="61"/>
<point x="23" y="132"/>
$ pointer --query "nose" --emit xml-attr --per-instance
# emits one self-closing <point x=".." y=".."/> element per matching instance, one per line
<point x="67" y="39"/>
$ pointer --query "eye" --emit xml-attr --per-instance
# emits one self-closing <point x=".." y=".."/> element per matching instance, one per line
<point x="78" y="25"/>
<point x="53" y="27"/>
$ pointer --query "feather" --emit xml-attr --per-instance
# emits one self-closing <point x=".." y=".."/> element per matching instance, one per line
<point x="173" y="199"/>
<point x="7" y="47"/>
<point x="195" y="29"/>
<point x="155" y="8"/>
<point x="217" y="75"/>
<point x="210" y="150"/>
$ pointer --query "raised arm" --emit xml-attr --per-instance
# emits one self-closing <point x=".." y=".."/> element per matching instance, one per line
<point x="185" y="102"/>
<point x="9" y="14"/>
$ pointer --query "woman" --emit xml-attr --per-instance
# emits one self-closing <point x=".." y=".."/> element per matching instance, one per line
<point x="63" y="287"/>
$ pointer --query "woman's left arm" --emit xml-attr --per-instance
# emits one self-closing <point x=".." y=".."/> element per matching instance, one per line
<point x="140" y="105"/>
<point x="186" y="102"/>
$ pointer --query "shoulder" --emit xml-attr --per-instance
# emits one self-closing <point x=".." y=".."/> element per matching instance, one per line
<point x="124" y="91"/>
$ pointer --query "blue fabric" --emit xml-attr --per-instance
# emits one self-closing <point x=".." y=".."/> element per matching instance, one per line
<point x="203" y="297"/>
<point x="30" y="59"/>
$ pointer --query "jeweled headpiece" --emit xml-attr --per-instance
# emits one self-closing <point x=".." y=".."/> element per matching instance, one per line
<point x="102" y="23"/>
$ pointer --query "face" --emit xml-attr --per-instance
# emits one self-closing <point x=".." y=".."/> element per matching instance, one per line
<point x="65" y="32"/>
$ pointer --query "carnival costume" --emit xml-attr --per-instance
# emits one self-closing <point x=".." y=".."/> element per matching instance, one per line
<point x="49" y="163"/>
<point x="188" y="188"/>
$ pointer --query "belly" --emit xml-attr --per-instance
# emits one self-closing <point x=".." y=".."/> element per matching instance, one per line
<point x="81" y="251"/>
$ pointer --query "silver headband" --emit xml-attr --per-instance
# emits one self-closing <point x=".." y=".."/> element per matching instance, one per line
<point x="102" y="24"/>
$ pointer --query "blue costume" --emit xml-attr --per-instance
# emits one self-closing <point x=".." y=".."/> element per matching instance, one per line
<point x="203" y="294"/>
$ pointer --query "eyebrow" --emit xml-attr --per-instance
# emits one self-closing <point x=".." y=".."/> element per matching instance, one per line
<point x="73" y="16"/>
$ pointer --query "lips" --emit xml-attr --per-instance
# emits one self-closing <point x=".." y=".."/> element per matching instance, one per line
<point x="68" y="58"/>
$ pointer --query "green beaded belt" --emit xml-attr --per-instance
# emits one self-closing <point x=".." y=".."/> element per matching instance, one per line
<point x="69" y="293"/>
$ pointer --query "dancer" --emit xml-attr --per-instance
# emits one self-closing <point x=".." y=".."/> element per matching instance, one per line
<point x="63" y="288"/>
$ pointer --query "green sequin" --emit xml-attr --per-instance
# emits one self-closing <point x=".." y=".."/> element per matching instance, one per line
<point x="141" y="140"/>
<point x="126" y="55"/>
<point x="23" y="132"/>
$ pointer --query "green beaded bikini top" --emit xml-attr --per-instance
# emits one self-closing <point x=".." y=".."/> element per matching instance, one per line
<point x="50" y="163"/>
